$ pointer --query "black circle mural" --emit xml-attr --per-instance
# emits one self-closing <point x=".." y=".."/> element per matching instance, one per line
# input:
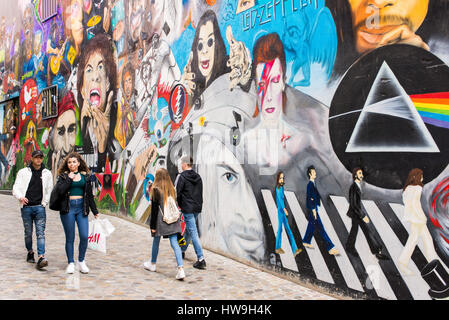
<point x="390" y="115"/>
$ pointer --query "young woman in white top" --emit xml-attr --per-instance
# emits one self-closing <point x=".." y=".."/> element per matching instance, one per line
<point x="414" y="214"/>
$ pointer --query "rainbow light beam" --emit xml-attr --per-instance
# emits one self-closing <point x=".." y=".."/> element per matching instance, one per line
<point x="433" y="108"/>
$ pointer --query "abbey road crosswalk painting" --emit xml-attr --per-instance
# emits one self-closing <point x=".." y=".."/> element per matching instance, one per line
<point x="363" y="273"/>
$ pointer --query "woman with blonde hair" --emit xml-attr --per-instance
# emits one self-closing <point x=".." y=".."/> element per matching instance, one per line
<point x="414" y="214"/>
<point x="74" y="199"/>
<point x="161" y="194"/>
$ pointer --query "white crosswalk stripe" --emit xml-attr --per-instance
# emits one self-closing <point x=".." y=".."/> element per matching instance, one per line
<point x="343" y="262"/>
<point x="416" y="284"/>
<point x="377" y="277"/>
<point x="318" y="263"/>
<point x="287" y="259"/>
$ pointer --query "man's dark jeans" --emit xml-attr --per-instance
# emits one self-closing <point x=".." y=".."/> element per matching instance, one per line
<point x="37" y="215"/>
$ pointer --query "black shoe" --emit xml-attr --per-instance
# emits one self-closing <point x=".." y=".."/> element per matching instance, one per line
<point x="30" y="257"/>
<point x="381" y="256"/>
<point x="200" y="264"/>
<point x="42" y="263"/>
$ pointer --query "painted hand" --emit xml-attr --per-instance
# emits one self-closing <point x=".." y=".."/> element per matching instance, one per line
<point x="188" y="76"/>
<point x="239" y="61"/>
<point x="101" y="123"/>
<point x="403" y="35"/>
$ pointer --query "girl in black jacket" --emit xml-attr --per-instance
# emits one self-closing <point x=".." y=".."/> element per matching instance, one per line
<point x="161" y="190"/>
<point x="75" y="198"/>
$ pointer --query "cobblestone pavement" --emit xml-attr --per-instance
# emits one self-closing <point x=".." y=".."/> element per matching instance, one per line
<point x="119" y="274"/>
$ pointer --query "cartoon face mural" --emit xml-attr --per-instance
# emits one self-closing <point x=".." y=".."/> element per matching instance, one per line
<point x="251" y="88"/>
<point x="208" y="53"/>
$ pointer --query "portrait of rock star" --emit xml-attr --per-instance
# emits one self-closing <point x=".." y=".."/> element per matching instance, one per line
<point x="74" y="28"/>
<point x="136" y="25"/>
<point x="127" y="121"/>
<point x="63" y="133"/>
<point x="209" y="60"/>
<point x="364" y="25"/>
<point x="96" y="86"/>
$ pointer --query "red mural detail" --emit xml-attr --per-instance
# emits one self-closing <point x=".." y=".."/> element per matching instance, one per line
<point x="163" y="91"/>
<point x="445" y="239"/>
<point x="439" y="193"/>
<point x="27" y="100"/>
<point x="264" y="81"/>
<point x="107" y="180"/>
<point x="435" y="222"/>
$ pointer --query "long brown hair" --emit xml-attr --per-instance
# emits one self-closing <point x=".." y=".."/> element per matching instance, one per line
<point x="163" y="184"/>
<point x="64" y="165"/>
<point x="277" y="179"/>
<point x="414" y="178"/>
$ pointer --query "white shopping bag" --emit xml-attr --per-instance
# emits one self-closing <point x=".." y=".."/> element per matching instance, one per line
<point x="107" y="227"/>
<point x="97" y="236"/>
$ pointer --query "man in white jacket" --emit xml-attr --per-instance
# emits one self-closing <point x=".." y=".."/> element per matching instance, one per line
<point x="32" y="188"/>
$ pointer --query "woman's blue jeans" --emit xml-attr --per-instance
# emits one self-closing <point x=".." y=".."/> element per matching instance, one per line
<point x="174" y="244"/>
<point x="68" y="222"/>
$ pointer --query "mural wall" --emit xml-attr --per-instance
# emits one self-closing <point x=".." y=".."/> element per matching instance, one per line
<point x="248" y="89"/>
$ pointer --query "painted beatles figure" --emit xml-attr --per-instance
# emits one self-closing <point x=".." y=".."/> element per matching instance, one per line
<point x="414" y="214"/>
<point x="282" y="218"/>
<point x="360" y="219"/>
<point x="313" y="201"/>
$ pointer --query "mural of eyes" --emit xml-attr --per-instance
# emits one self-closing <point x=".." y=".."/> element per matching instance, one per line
<point x="210" y="43"/>
<point x="62" y="130"/>
<point x="244" y="4"/>
<point x="230" y="177"/>
<point x="159" y="130"/>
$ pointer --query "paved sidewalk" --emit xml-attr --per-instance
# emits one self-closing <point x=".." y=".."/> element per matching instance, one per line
<point x="119" y="273"/>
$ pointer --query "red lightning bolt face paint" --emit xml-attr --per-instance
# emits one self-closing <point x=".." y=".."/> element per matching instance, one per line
<point x="270" y="89"/>
<point x="263" y="82"/>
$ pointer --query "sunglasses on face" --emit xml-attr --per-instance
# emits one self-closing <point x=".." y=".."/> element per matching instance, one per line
<point x="210" y="43"/>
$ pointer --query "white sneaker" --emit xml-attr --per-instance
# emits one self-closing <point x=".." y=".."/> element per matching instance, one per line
<point x="181" y="274"/>
<point x="70" y="268"/>
<point x="149" y="266"/>
<point x="83" y="267"/>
